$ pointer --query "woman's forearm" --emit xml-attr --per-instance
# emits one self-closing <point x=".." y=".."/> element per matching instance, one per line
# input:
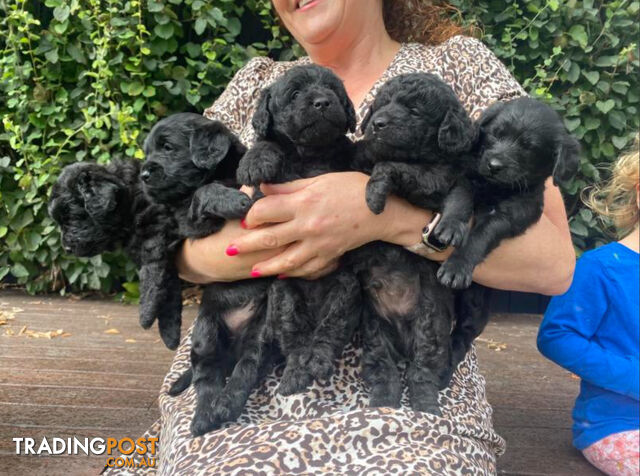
<point x="205" y="260"/>
<point x="542" y="260"/>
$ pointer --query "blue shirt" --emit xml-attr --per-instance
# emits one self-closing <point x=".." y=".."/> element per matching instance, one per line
<point x="592" y="330"/>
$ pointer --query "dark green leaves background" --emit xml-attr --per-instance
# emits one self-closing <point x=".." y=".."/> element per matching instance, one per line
<point x="86" y="79"/>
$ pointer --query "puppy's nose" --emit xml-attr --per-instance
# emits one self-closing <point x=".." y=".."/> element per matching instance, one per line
<point x="380" y="123"/>
<point x="495" y="165"/>
<point x="145" y="175"/>
<point x="320" y="102"/>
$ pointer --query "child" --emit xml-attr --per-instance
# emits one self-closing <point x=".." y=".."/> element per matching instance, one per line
<point x="592" y="330"/>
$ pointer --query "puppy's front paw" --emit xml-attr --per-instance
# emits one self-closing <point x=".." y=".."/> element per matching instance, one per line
<point x="181" y="384"/>
<point x="203" y="421"/>
<point x="455" y="273"/>
<point x="385" y="396"/>
<point x="425" y="403"/>
<point x="376" y="196"/>
<point x="451" y="232"/>
<point x="294" y="380"/>
<point x="318" y="363"/>
<point x="255" y="172"/>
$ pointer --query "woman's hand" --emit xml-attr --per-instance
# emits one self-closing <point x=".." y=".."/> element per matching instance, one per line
<point x="318" y="220"/>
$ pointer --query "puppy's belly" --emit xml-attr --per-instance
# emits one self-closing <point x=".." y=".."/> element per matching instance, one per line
<point x="394" y="294"/>
<point x="236" y="318"/>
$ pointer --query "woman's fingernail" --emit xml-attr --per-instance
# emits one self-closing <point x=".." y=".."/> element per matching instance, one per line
<point x="255" y="273"/>
<point x="232" y="250"/>
<point x="243" y="224"/>
<point x="282" y="276"/>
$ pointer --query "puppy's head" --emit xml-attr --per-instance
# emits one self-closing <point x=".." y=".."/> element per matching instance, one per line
<point x="183" y="152"/>
<point x="415" y="117"/>
<point x="308" y="105"/>
<point x="92" y="206"/>
<point x="523" y="142"/>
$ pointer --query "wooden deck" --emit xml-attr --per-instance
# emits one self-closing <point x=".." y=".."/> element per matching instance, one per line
<point x="100" y="375"/>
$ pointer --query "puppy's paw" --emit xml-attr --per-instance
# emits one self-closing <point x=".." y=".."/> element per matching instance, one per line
<point x="203" y="421"/>
<point x="319" y="364"/>
<point x="376" y="196"/>
<point x="181" y="384"/>
<point x="455" y="273"/>
<point x="385" y="397"/>
<point x="170" y="334"/>
<point x="294" y="380"/>
<point x="425" y="403"/>
<point x="451" y="232"/>
<point x="255" y="172"/>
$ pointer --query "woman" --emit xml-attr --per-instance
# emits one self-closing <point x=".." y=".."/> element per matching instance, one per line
<point x="302" y="228"/>
<point x="593" y="330"/>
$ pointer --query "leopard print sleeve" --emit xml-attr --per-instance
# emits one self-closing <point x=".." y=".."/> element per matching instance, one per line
<point x="477" y="76"/>
<point x="234" y="105"/>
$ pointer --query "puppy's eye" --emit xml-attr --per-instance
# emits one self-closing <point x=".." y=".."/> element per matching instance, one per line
<point x="295" y="94"/>
<point x="167" y="147"/>
<point x="414" y="111"/>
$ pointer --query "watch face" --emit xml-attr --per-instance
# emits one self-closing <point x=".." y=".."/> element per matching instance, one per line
<point x="434" y="243"/>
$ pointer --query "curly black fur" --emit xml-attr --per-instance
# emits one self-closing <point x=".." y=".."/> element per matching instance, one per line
<point x="522" y="143"/>
<point x="417" y="137"/>
<point x="101" y="208"/>
<point x="301" y="121"/>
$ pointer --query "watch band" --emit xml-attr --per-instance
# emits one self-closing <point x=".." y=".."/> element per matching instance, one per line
<point x="429" y="243"/>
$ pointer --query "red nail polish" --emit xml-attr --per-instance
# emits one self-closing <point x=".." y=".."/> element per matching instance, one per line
<point x="282" y="276"/>
<point x="255" y="273"/>
<point x="232" y="250"/>
<point x="243" y="224"/>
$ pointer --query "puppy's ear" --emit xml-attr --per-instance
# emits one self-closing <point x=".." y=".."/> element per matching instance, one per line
<point x="456" y="133"/>
<point x="567" y="160"/>
<point x="209" y="145"/>
<point x="490" y="113"/>
<point x="262" y="120"/>
<point x="100" y="196"/>
<point x="367" y="118"/>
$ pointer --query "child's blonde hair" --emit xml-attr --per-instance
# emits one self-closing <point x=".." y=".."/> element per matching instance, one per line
<point x="616" y="199"/>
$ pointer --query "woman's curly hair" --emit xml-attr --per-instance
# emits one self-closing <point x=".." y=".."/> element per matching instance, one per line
<point x="422" y="21"/>
<point x="616" y="199"/>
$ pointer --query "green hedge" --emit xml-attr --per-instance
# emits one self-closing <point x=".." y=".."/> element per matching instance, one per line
<point x="85" y="80"/>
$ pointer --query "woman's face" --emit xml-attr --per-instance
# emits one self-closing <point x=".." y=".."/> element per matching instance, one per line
<point x="312" y="22"/>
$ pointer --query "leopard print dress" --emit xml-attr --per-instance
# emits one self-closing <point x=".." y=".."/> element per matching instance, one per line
<point x="329" y="429"/>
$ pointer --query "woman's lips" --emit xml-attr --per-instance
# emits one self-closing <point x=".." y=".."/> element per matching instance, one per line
<point x="304" y="5"/>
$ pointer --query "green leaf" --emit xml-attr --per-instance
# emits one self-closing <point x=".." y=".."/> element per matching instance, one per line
<point x="592" y="76"/>
<point x="619" y="142"/>
<point x="19" y="271"/>
<point x="164" y="31"/>
<point x="605" y="106"/>
<point x="200" y="26"/>
<point x="135" y="88"/>
<point x="572" y="124"/>
<point x="618" y="120"/>
<point x="61" y="13"/>
<point x="3" y="231"/>
<point x="579" y="34"/>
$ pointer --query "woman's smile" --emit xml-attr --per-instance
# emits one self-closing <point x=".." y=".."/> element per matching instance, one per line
<point x="305" y="5"/>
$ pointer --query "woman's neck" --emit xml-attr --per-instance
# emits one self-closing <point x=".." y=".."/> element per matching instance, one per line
<point x="632" y="240"/>
<point x="358" y="62"/>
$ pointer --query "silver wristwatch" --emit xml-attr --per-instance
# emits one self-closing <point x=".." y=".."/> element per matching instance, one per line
<point x="429" y="243"/>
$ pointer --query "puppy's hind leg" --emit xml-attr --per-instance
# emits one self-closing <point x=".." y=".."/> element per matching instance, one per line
<point x="379" y="370"/>
<point x="170" y="314"/>
<point x="218" y="200"/>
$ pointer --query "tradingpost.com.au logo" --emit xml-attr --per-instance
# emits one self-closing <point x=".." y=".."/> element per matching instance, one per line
<point x="136" y="453"/>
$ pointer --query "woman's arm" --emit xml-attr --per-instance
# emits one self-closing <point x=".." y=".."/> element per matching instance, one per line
<point x="323" y="217"/>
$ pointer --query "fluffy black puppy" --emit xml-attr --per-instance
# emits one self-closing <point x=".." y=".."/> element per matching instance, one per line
<point x="301" y="121"/>
<point x="190" y="167"/>
<point x="522" y="143"/>
<point x="190" y="161"/>
<point x="416" y="135"/>
<point x="102" y="208"/>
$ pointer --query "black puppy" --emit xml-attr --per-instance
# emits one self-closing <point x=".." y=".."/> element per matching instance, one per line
<point x="416" y="137"/>
<point x="301" y="121"/>
<point x="190" y="167"/>
<point x="522" y="143"/>
<point x="102" y="208"/>
<point x="190" y="163"/>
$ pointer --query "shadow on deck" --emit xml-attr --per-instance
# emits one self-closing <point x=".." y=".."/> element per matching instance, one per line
<point x="92" y="381"/>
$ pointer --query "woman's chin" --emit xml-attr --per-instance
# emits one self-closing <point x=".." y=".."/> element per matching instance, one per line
<point x="317" y="24"/>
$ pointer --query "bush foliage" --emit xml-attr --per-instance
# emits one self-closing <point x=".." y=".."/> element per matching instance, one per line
<point x="85" y="80"/>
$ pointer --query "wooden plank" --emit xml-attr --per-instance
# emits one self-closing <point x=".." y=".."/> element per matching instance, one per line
<point x="80" y="397"/>
<point x="132" y="366"/>
<point x="59" y="378"/>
